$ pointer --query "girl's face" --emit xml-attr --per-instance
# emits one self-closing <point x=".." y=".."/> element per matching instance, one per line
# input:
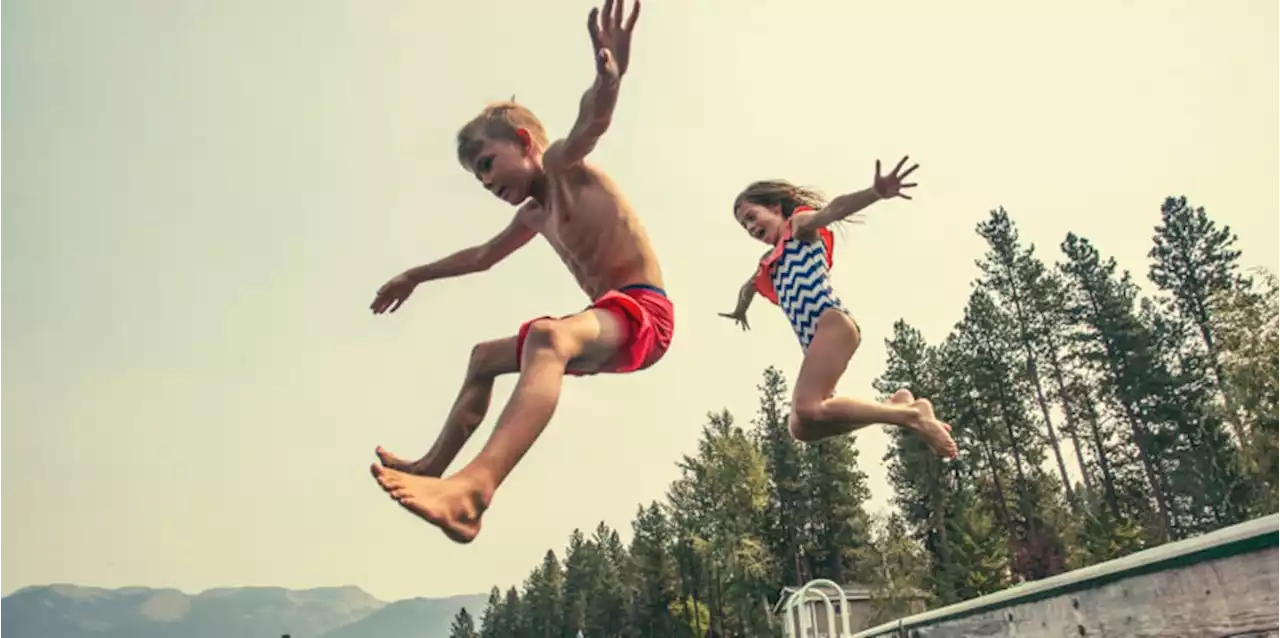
<point x="762" y="222"/>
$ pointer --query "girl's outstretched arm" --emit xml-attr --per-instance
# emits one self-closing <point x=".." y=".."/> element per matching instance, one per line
<point x="807" y="223"/>
<point x="739" y="314"/>
<point x="882" y="187"/>
<point x="746" y="294"/>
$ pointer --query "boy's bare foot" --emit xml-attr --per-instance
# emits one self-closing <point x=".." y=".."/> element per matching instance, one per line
<point x="391" y="461"/>
<point x="454" y="505"/>
<point x="936" y="433"/>
<point x="902" y="396"/>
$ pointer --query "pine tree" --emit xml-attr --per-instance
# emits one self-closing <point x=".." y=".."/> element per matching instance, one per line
<point x="838" y="523"/>
<point x="1247" y="344"/>
<point x="463" y="625"/>
<point x="787" y="513"/>
<point x="1251" y="361"/>
<point x="726" y="484"/>
<point x="654" y="575"/>
<point x="1120" y="351"/>
<point x="1092" y="438"/>
<point x="1019" y="280"/>
<point x="1056" y="334"/>
<point x="1195" y="263"/>
<point x="1204" y="467"/>
<point x="978" y="434"/>
<point x="988" y="349"/>
<point x="920" y="480"/>
<point x="966" y="536"/>
<point x="1122" y="496"/>
<point x="582" y="566"/>
<point x="544" y="599"/>
<point x="607" y="611"/>
<point x="513" y="622"/>
<point x="491" y="624"/>
<point x="689" y="550"/>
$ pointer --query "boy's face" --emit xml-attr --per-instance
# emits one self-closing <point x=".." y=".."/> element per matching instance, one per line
<point x="762" y="222"/>
<point x="507" y="169"/>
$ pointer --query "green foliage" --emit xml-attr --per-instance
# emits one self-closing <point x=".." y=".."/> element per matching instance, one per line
<point x="694" y="616"/>
<point x="1249" y="351"/>
<point x="896" y="569"/>
<point x="543" y="601"/>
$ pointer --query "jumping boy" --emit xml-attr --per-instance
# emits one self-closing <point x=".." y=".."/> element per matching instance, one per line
<point x="584" y="216"/>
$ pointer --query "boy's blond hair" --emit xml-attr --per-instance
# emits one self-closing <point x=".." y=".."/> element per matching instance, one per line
<point x="498" y="121"/>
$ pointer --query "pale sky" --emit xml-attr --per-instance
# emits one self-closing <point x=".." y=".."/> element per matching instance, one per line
<point x="202" y="197"/>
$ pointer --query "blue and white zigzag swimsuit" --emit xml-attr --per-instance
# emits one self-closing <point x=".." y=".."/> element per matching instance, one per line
<point x="796" y="277"/>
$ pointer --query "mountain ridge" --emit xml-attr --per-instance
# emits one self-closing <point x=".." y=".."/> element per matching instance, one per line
<point x="66" y="610"/>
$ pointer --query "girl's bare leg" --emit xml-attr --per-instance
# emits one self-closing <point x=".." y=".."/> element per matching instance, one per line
<point x="489" y="360"/>
<point x="816" y="414"/>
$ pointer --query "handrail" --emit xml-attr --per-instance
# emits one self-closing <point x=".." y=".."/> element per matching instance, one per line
<point x="809" y="616"/>
<point x="797" y="599"/>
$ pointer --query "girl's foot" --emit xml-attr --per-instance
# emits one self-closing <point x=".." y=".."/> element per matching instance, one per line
<point x="936" y="433"/>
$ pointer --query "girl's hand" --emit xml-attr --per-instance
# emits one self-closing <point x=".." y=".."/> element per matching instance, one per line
<point x="738" y="317"/>
<point x="888" y="186"/>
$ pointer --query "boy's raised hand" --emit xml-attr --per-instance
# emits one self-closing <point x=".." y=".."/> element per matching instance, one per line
<point x="887" y="186"/>
<point x="611" y="38"/>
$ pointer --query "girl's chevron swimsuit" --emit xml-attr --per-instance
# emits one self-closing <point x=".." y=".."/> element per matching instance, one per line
<point x="795" y="277"/>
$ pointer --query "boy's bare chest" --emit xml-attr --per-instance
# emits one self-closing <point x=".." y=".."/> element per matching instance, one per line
<point x="565" y="228"/>
<point x="575" y="212"/>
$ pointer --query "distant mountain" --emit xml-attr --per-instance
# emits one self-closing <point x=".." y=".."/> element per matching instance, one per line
<point x="416" y="617"/>
<point x="70" y="611"/>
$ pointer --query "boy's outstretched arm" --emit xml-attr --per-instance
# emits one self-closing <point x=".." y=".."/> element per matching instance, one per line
<point x="478" y="258"/>
<point x="611" y="41"/>
<point x="882" y="187"/>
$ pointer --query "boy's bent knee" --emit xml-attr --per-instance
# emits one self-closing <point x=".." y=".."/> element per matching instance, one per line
<point x="549" y="335"/>
<point x="492" y="358"/>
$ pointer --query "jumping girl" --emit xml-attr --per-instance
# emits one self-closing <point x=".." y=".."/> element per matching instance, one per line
<point x="794" y="276"/>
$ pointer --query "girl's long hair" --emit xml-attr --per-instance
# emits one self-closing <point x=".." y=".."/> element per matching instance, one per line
<point x="787" y="196"/>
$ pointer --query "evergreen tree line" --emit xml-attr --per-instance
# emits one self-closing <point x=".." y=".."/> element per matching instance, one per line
<point x="1092" y="422"/>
